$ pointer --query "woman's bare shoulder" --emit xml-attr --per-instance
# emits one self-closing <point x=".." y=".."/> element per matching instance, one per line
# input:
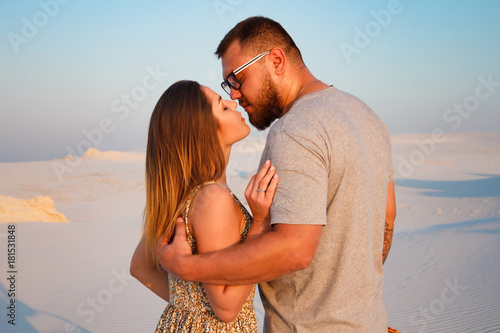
<point x="215" y="218"/>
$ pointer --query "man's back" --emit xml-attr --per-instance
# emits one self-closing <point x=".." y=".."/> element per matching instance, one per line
<point x="333" y="156"/>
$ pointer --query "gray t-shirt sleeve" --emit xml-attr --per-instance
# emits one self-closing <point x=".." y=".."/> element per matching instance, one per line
<point x="388" y="138"/>
<point x="301" y="195"/>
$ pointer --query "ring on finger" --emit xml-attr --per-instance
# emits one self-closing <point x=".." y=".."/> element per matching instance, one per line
<point x="260" y="190"/>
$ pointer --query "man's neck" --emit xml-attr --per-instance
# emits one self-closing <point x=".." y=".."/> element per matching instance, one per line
<point x="303" y="84"/>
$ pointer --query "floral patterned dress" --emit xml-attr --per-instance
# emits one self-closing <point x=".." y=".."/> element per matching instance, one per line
<point x="189" y="309"/>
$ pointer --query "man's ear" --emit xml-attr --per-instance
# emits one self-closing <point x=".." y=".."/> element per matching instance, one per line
<point x="278" y="59"/>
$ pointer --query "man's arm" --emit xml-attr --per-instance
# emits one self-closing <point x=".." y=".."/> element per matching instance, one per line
<point x="390" y="216"/>
<point x="291" y="244"/>
<point x="283" y="250"/>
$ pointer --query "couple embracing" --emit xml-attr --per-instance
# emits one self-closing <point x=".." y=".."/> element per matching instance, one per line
<point x="322" y="203"/>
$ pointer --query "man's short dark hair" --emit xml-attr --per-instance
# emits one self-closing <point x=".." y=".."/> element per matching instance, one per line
<point x="258" y="34"/>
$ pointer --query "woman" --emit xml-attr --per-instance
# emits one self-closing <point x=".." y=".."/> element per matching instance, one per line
<point x="190" y="137"/>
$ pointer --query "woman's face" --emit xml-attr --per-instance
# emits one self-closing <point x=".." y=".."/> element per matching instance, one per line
<point x="232" y="126"/>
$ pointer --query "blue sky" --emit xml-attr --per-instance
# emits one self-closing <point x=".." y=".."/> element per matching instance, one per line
<point x="91" y="71"/>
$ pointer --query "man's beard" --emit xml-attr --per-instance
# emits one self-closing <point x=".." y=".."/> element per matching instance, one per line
<point x="268" y="106"/>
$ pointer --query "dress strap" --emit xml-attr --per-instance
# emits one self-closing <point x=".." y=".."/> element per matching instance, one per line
<point x="226" y="188"/>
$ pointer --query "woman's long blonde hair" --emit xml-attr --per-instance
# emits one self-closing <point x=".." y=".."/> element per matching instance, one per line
<point x="183" y="151"/>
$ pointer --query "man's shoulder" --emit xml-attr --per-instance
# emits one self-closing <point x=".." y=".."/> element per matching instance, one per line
<point x="309" y="114"/>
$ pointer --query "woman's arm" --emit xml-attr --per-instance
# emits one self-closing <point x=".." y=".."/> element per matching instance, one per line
<point x="144" y="270"/>
<point x="216" y="220"/>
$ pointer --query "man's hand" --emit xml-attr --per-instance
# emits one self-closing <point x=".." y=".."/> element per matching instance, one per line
<point x="172" y="257"/>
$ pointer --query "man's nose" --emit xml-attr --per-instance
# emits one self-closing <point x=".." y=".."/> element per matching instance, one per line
<point x="235" y="94"/>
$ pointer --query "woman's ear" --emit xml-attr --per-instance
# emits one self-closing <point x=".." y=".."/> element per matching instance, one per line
<point x="278" y="59"/>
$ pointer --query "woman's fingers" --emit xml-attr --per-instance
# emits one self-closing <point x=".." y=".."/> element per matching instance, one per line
<point x="264" y="181"/>
<point x="272" y="186"/>
<point x="260" y="182"/>
<point x="250" y="187"/>
<point x="258" y="186"/>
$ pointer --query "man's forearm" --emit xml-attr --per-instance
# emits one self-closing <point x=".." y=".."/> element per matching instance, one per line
<point x="247" y="263"/>
<point x="263" y="258"/>
<point x="390" y="216"/>
<point x="388" y="232"/>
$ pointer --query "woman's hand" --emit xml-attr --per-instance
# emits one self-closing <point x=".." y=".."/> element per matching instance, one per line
<point x="259" y="194"/>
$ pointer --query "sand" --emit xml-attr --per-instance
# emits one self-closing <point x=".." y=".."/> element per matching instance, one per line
<point x="37" y="209"/>
<point x="442" y="275"/>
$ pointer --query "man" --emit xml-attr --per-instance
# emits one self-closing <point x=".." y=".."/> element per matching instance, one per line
<point x="323" y="257"/>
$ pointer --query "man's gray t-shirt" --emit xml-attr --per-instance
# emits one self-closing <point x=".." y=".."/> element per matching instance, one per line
<point x="333" y="156"/>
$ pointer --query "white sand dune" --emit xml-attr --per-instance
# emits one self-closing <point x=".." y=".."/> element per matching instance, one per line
<point x="37" y="209"/>
<point x="442" y="275"/>
<point x="113" y="155"/>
